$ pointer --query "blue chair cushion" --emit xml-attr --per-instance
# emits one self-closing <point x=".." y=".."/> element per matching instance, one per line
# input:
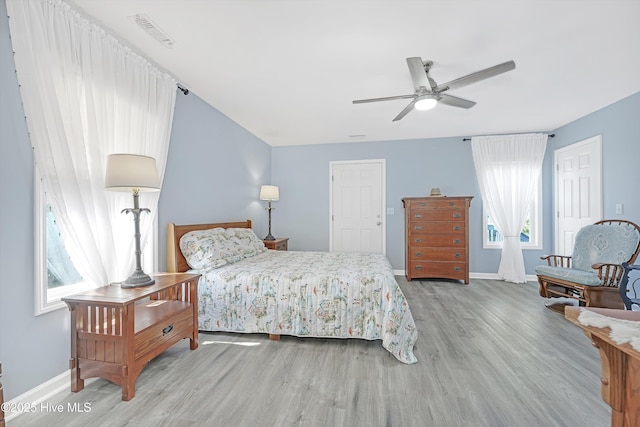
<point x="581" y="277"/>
<point x="603" y="243"/>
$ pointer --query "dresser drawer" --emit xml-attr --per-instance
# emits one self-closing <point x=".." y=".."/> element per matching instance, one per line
<point x="439" y="240"/>
<point x="450" y="270"/>
<point x="436" y="215"/>
<point x="439" y="203"/>
<point x="437" y="227"/>
<point x="438" y="254"/>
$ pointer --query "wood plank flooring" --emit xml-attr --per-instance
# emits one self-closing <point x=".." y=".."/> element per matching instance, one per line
<point x="489" y="354"/>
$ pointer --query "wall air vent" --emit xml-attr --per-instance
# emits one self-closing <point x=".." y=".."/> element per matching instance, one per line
<point x="152" y="29"/>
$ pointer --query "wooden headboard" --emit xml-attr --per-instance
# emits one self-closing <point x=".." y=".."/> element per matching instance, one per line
<point x="176" y="263"/>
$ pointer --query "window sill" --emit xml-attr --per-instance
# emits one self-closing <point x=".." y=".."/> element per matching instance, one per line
<point x="54" y="297"/>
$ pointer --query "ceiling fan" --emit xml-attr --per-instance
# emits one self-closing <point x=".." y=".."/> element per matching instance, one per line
<point x="428" y="93"/>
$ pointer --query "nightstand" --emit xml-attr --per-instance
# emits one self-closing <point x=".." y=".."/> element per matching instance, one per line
<point x="280" y="244"/>
<point x="115" y="332"/>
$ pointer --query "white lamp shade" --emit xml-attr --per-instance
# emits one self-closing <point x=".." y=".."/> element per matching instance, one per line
<point x="130" y="172"/>
<point x="269" y="192"/>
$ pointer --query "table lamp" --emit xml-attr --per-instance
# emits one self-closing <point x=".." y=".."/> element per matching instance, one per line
<point x="270" y="193"/>
<point x="133" y="173"/>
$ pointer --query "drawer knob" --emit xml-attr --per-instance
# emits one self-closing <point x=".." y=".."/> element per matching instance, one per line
<point x="418" y="267"/>
<point x="418" y="215"/>
<point x="456" y="240"/>
<point x="457" y="269"/>
<point x="456" y="215"/>
<point x="457" y="227"/>
<point x="418" y="227"/>
<point x="168" y="329"/>
<point x="456" y="255"/>
<point x="451" y="204"/>
<point x="418" y="240"/>
<point x="418" y="253"/>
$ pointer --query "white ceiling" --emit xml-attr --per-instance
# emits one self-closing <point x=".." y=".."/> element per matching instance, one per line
<point x="287" y="70"/>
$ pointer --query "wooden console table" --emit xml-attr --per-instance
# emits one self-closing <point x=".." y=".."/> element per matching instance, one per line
<point x="620" y="367"/>
<point x="115" y="332"/>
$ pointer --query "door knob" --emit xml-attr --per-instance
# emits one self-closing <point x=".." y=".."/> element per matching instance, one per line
<point x="378" y="223"/>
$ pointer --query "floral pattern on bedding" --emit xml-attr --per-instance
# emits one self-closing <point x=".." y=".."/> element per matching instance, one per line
<point x="314" y="294"/>
<point x="216" y="247"/>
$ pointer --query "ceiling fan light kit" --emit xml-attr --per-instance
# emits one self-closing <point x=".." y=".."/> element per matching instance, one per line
<point x="425" y="102"/>
<point x="428" y="93"/>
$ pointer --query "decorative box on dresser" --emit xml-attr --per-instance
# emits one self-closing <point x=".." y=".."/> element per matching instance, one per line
<point x="437" y="237"/>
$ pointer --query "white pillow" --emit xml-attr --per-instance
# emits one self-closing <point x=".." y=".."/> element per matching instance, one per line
<point x="215" y="247"/>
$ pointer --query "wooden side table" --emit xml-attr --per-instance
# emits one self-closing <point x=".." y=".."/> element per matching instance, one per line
<point x="115" y="332"/>
<point x="620" y="380"/>
<point x="280" y="244"/>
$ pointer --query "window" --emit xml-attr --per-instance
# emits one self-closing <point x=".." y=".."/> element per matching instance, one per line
<point x="55" y="274"/>
<point x="531" y="233"/>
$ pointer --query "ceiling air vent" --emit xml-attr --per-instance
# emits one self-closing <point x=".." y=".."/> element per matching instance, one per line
<point x="152" y="29"/>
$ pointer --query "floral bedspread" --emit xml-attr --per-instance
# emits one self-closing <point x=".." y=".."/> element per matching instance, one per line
<point x="312" y="294"/>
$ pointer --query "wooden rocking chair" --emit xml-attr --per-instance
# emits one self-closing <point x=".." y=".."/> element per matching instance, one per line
<point x="592" y="273"/>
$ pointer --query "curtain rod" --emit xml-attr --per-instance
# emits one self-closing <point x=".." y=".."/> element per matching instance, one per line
<point x="182" y="89"/>
<point x="551" y="135"/>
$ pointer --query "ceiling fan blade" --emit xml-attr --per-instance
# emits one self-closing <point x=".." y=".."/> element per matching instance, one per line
<point x="388" y="98"/>
<point x="477" y="76"/>
<point x="418" y="74"/>
<point x="455" y="101"/>
<point x="404" y="112"/>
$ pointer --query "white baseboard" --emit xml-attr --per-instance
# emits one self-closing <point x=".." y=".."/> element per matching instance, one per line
<point x="39" y="394"/>
<point x="490" y="276"/>
<point x="494" y="276"/>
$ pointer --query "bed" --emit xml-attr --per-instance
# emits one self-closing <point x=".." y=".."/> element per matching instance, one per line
<point x="249" y="289"/>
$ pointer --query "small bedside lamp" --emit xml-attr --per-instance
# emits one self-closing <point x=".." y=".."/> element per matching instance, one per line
<point x="270" y="193"/>
<point x="133" y="173"/>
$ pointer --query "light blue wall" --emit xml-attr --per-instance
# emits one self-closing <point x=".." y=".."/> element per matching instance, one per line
<point x="412" y="168"/>
<point x="214" y="171"/>
<point x="619" y="125"/>
<point x="32" y="349"/>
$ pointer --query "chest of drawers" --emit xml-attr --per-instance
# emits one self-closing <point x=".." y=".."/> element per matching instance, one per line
<point x="437" y="237"/>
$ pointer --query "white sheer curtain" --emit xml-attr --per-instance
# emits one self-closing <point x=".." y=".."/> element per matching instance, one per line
<point x="86" y="96"/>
<point x="508" y="168"/>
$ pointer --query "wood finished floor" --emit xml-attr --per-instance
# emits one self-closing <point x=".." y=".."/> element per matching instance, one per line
<point x="489" y="354"/>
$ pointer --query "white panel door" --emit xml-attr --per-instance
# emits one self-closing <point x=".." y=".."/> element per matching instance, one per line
<point x="578" y="170"/>
<point x="357" y="203"/>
